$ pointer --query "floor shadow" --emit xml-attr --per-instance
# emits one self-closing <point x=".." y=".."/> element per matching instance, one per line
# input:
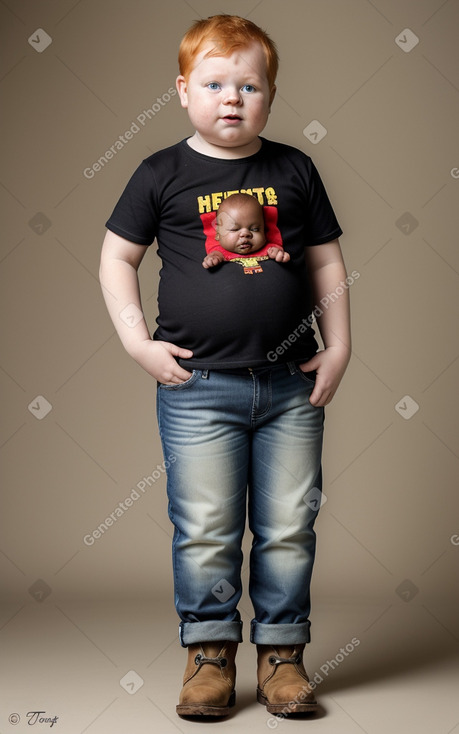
<point x="246" y="699"/>
<point x="387" y="658"/>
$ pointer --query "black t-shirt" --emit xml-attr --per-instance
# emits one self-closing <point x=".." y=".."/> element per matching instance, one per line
<point x="229" y="316"/>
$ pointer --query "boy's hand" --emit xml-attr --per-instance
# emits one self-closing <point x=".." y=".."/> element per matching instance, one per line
<point x="280" y="256"/>
<point x="157" y="358"/>
<point x="213" y="259"/>
<point x="330" y="365"/>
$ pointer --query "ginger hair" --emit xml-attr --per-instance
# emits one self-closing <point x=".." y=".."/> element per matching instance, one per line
<point x="227" y="32"/>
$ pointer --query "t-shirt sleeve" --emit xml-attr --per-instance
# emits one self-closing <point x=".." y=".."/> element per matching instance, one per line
<point x="135" y="216"/>
<point x="322" y="223"/>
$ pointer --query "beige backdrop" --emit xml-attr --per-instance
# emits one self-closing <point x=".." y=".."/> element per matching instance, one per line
<point x="369" y="89"/>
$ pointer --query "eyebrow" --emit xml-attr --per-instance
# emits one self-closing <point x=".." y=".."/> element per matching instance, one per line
<point x="235" y="223"/>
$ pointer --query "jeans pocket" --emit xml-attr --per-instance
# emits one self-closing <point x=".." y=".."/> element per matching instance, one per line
<point x="309" y="377"/>
<point x="181" y="385"/>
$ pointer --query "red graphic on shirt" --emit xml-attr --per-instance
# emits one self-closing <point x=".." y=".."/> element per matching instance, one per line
<point x="272" y="233"/>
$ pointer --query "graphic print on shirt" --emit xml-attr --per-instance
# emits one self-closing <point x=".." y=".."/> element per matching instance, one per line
<point x="208" y="205"/>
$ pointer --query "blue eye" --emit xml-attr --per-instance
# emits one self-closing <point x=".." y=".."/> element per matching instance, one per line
<point x="213" y="86"/>
<point x="248" y="88"/>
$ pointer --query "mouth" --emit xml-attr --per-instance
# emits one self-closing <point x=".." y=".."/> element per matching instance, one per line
<point x="245" y="246"/>
<point x="232" y="119"/>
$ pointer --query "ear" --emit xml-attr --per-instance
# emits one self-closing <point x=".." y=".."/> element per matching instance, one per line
<point x="215" y="227"/>
<point x="182" y="90"/>
<point x="271" y="96"/>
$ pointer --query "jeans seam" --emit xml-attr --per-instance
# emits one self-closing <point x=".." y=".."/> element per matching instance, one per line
<point x="258" y="416"/>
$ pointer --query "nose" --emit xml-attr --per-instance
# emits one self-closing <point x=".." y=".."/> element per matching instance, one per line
<point x="231" y="96"/>
<point x="245" y="233"/>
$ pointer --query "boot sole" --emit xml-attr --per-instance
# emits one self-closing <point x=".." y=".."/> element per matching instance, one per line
<point x="289" y="707"/>
<point x="204" y="709"/>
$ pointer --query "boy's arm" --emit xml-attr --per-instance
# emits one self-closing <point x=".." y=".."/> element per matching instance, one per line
<point x="327" y="271"/>
<point x="119" y="263"/>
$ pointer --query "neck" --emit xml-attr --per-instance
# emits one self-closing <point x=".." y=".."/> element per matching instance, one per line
<point x="219" y="151"/>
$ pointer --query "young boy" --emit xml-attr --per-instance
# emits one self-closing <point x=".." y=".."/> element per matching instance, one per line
<point x="240" y="407"/>
<point x="240" y="234"/>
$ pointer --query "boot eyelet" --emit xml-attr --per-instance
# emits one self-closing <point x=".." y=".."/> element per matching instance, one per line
<point x="272" y="660"/>
<point x="197" y="659"/>
<point x="223" y="662"/>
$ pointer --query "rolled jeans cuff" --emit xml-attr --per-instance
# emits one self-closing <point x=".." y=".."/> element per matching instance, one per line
<point x="280" y="634"/>
<point x="192" y="632"/>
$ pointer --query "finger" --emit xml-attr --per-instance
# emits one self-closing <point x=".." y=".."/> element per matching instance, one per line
<point x="315" y="397"/>
<point x="182" y="375"/>
<point x="178" y="351"/>
<point x="318" y="399"/>
<point x="177" y="378"/>
<point x="309" y="366"/>
<point x="319" y="394"/>
<point x="325" y="399"/>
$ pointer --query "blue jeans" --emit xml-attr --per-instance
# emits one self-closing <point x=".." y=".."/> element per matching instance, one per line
<point x="230" y="438"/>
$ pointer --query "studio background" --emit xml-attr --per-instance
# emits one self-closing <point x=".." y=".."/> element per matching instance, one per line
<point x="370" y="90"/>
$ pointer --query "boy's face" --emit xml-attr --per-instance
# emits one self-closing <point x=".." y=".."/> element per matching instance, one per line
<point x="228" y="101"/>
<point x="241" y="228"/>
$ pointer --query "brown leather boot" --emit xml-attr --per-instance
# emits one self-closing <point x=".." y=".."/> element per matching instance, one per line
<point x="208" y="683"/>
<point x="283" y="684"/>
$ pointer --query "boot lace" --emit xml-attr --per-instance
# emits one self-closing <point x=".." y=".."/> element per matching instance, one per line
<point x="202" y="659"/>
<point x="277" y="660"/>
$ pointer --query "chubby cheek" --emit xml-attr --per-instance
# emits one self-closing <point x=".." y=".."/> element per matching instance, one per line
<point x="201" y="114"/>
<point x="195" y="102"/>
<point x="262" y="114"/>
